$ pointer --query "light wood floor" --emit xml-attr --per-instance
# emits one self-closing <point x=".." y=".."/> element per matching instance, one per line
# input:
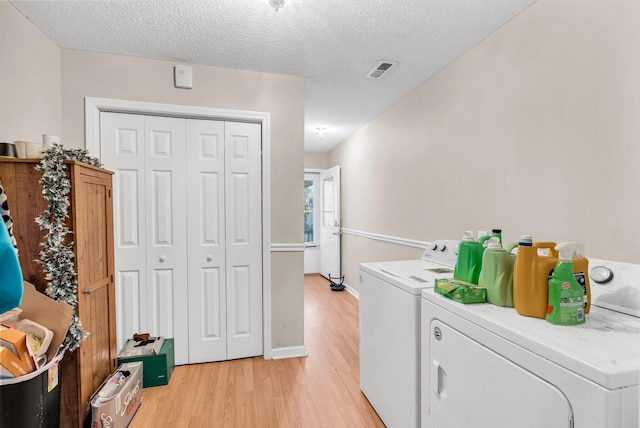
<point x="321" y="390"/>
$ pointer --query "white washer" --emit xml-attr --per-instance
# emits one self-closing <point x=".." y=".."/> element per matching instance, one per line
<point x="390" y="295"/>
<point x="487" y="366"/>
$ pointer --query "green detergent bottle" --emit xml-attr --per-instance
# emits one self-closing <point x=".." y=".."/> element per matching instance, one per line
<point x="566" y="296"/>
<point x="469" y="260"/>
<point x="496" y="274"/>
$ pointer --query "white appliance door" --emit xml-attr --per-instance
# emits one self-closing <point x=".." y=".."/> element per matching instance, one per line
<point x="472" y="386"/>
<point x="389" y="351"/>
<point x="206" y="235"/>
<point x="243" y="190"/>
<point x="330" y="222"/>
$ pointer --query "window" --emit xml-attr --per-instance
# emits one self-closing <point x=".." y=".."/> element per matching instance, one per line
<point x="311" y="208"/>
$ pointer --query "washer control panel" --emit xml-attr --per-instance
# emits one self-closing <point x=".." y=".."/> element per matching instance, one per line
<point x="444" y="251"/>
<point x="615" y="285"/>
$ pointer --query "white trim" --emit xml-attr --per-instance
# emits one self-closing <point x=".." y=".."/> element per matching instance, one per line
<point x="313" y="170"/>
<point x="289" y="352"/>
<point x="385" y="238"/>
<point x="94" y="106"/>
<point x="287" y="248"/>
<point x="355" y="293"/>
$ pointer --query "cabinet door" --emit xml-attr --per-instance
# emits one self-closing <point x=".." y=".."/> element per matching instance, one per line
<point x="92" y="217"/>
<point x="472" y="386"/>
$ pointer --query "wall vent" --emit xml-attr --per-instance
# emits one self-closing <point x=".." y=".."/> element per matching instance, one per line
<point x="381" y="69"/>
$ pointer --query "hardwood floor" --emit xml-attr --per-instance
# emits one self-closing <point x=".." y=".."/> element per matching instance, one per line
<point x="321" y="390"/>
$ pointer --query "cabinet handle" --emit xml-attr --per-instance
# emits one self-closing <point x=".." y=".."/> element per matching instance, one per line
<point x="209" y="257"/>
<point x="87" y="292"/>
<point x="162" y="259"/>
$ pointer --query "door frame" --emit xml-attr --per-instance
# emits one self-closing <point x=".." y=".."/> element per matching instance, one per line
<point x="94" y="106"/>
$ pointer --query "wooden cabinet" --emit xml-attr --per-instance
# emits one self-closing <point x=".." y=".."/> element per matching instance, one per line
<point x="91" y="223"/>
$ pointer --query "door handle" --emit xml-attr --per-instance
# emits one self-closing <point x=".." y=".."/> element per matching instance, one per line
<point x="209" y="257"/>
<point x="438" y="380"/>
<point x="162" y="259"/>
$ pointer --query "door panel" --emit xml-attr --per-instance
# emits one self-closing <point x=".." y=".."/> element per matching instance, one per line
<point x="122" y="151"/>
<point x="206" y="219"/>
<point x="330" y="223"/>
<point x="166" y="227"/>
<point x="243" y="191"/>
<point x="188" y="212"/>
<point x="492" y="390"/>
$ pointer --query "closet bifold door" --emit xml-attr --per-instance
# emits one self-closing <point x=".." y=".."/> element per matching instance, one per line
<point x="243" y="202"/>
<point x="206" y="238"/>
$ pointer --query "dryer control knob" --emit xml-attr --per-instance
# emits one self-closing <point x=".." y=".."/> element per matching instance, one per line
<point x="444" y="248"/>
<point x="434" y="246"/>
<point x="601" y="274"/>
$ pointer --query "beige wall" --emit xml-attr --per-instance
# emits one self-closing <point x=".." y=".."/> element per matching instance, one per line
<point x="86" y="74"/>
<point x="29" y="79"/>
<point x="534" y="130"/>
<point x="316" y="160"/>
<point x="42" y="90"/>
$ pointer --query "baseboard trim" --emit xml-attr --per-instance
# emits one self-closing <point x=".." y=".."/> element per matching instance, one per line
<point x="355" y="293"/>
<point x="289" y="352"/>
<point x="392" y="239"/>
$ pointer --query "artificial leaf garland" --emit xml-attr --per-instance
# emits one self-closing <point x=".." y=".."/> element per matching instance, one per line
<point x="56" y="257"/>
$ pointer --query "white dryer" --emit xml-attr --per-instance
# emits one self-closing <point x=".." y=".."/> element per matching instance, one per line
<point x="485" y="366"/>
<point x="390" y="295"/>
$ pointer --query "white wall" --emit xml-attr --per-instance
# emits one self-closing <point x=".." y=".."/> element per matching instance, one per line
<point x="534" y="130"/>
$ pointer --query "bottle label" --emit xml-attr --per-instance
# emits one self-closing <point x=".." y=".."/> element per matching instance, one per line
<point x="579" y="276"/>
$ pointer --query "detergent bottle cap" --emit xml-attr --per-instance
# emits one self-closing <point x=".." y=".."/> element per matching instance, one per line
<point x="468" y="236"/>
<point x="567" y="250"/>
<point x="526" y="240"/>
<point x="494" y="243"/>
<point x="496" y="230"/>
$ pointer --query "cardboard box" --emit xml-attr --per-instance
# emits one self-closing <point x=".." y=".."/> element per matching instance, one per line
<point x="10" y="364"/>
<point x="157" y="368"/>
<point x="56" y="316"/>
<point x="16" y="341"/>
<point x="118" y="399"/>
<point x="461" y="291"/>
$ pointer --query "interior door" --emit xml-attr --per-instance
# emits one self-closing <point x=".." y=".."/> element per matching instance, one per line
<point x="123" y="152"/>
<point x="206" y="234"/>
<point x="243" y="201"/>
<point x="472" y="386"/>
<point x="147" y="154"/>
<point x="330" y="222"/>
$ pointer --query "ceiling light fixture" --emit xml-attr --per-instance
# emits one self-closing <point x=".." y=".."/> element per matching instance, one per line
<point x="321" y="131"/>
<point x="276" y="4"/>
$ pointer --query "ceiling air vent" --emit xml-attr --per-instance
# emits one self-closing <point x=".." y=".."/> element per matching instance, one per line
<point x="381" y="69"/>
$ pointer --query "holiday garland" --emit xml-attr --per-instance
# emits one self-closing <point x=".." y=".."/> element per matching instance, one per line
<point x="56" y="257"/>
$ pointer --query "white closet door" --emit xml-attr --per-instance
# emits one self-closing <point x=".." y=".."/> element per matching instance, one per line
<point x="166" y="228"/>
<point x="123" y="152"/>
<point x="206" y="236"/>
<point x="243" y="189"/>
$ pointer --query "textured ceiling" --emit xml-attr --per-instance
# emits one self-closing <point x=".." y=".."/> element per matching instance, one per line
<point x="333" y="44"/>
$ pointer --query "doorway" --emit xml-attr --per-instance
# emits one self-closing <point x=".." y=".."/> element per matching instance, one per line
<point x="94" y="107"/>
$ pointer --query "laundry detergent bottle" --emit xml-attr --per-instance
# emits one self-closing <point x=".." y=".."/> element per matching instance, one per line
<point x="531" y="273"/>
<point x="496" y="274"/>
<point x="469" y="260"/>
<point x="566" y="296"/>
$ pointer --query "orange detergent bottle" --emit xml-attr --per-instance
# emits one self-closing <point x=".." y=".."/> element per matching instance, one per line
<point x="532" y="271"/>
